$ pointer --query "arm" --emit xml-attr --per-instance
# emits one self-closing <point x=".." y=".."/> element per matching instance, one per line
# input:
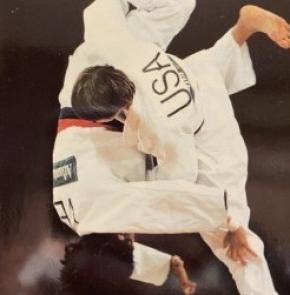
<point x="158" y="21"/>
<point x="254" y="19"/>
<point x="150" y="265"/>
<point x="153" y="267"/>
<point x="99" y="201"/>
<point x="141" y="207"/>
<point x="104" y="21"/>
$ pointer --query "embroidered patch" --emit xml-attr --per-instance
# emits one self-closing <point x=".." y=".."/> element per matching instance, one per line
<point x="65" y="172"/>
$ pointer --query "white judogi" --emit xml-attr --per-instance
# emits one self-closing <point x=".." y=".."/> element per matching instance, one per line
<point x="100" y="187"/>
<point x="162" y="120"/>
<point x="150" y="265"/>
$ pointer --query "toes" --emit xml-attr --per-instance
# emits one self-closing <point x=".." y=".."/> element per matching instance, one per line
<point x="284" y="43"/>
<point x="189" y="288"/>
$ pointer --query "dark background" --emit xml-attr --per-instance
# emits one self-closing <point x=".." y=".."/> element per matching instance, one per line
<point x="36" y="37"/>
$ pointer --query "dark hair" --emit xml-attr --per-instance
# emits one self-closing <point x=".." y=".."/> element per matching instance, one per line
<point x="97" y="264"/>
<point x="100" y="92"/>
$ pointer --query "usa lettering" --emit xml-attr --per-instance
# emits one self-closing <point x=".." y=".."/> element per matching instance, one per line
<point x="168" y="85"/>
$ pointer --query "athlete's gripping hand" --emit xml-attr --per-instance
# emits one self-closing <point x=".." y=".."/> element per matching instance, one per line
<point x="237" y="246"/>
<point x="177" y="267"/>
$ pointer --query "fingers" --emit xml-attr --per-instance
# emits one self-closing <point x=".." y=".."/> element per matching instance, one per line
<point x="284" y="43"/>
<point x="284" y="40"/>
<point x="237" y="256"/>
<point x="242" y="255"/>
<point x="241" y="259"/>
<point x="229" y="252"/>
<point x="233" y="255"/>
<point x="177" y="262"/>
<point x="245" y="256"/>
<point x="189" y="288"/>
<point x="227" y="240"/>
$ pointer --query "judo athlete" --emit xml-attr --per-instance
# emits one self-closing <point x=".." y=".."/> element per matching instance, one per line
<point x="174" y="100"/>
<point x="100" y="187"/>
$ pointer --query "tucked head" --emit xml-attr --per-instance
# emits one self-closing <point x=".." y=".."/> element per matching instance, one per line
<point x="101" y="93"/>
<point x="97" y="264"/>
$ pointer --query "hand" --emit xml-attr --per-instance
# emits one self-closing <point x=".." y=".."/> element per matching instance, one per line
<point x="123" y="237"/>
<point x="238" y="248"/>
<point x="177" y="266"/>
<point x="275" y="27"/>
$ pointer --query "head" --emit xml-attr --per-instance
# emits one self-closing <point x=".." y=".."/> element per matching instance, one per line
<point x="101" y="93"/>
<point x="97" y="264"/>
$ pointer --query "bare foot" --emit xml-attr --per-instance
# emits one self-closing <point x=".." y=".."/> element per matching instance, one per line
<point x="261" y="20"/>
<point x="177" y="265"/>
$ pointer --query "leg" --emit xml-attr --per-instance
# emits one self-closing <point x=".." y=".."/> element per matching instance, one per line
<point x="251" y="279"/>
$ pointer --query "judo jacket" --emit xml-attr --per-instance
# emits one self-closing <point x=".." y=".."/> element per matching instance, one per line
<point x="205" y="159"/>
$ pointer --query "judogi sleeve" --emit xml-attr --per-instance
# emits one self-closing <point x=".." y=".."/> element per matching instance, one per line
<point x="104" y="21"/>
<point x="105" y="29"/>
<point x="234" y="63"/>
<point x="150" y="265"/>
<point x="158" y="21"/>
<point x="108" y="205"/>
<point x="91" y="199"/>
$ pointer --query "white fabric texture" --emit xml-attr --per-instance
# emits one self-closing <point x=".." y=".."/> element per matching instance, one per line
<point x="150" y="265"/>
<point x="252" y="279"/>
<point x="158" y="21"/>
<point x="219" y="71"/>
